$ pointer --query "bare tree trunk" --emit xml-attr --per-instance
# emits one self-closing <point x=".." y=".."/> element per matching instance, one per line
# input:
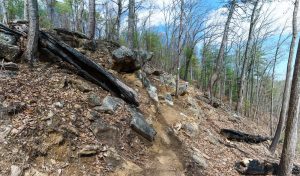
<point x="118" y="26"/>
<point x="244" y="66"/>
<point x="216" y="73"/>
<point x="131" y="17"/>
<point x="79" y="26"/>
<point x="33" y="34"/>
<point x="286" y="92"/>
<point x="92" y="19"/>
<point x="4" y="9"/>
<point x="290" y="138"/>
<point x="26" y="10"/>
<point x="179" y="49"/>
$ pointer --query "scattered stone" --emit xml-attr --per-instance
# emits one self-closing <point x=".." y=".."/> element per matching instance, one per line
<point x="13" y="108"/>
<point x="168" y="80"/>
<point x="81" y="85"/>
<point x="58" y="105"/>
<point x="71" y="129"/>
<point x="88" y="150"/>
<point x="192" y="129"/>
<point x="104" y="132"/>
<point x="94" y="100"/>
<point x="109" y="105"/>
<point x="143" y="56"/>
<point x="139" y="124"/>
<point x="169" y="99"/>
<point x="92" y="115"/>
<point x="198" y="158"/>
<point x="194" y="107"/>
<point x="152" y="91"/>
<point x="4" y="132"/>
<point x="15" y="170"/>
<point x="182" y="89"/>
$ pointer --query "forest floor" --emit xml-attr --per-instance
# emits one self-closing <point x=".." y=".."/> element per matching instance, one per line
<point x="59" y="132"/>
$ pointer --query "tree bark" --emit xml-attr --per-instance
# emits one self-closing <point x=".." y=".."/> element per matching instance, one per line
<point x="286" y="92"/>
<point x="79" y="26"/>
<point x="26" y="17"/>
<point x="5" y="15"/>
<point x="218" y="66"/>
<point x="120" y="9"/>
<point x="179" y="46"/>
<point x="33" y="34"/>
<point x="131" y="17"/>
<point x="290" y="138"/>
<point x="92" y="19"/>
<point x="245" y="62"/>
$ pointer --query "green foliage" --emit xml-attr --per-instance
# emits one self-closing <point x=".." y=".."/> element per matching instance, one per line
<point x="15" y="9"/>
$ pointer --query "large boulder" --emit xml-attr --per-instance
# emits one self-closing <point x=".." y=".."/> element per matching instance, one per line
<point x="9" y="52"/>
<point x="126" y="60"/>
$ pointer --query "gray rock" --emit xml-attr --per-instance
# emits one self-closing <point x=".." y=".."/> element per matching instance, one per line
<point x="4" y="132"/>
<point x="198" y="158"/>
<point x="58" y="104"/>
<point x="88" y="150"/>
<point x="139" y="124"/>
<point x="79" y="84"/>
<point x="9" y="52"/>
<point x="109" y="105"/>
<point x="124" y="60"/>
<point x="169" y="99"/>
<point x="182" y="89"/>
<point x="168" y="80"/>
<point x="8" y="39"/>
<point x="94" y="100"/>
<point x="143" y="56"/>
<point x="192" y="129"/>
<point x="152" y="91"/>
<point x="104" y="132"/>
<point x="15" y="170"/>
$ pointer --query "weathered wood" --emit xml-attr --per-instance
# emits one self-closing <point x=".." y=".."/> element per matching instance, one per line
<point x="255" y="167"/>
<point x="9" y="66"/>
<point x="243" y="137"/>
<point x="89" y="69"/>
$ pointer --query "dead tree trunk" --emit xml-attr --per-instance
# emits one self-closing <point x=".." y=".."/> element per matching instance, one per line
<point x="243" y="137"/>
<point x="5" y="15"/>
<point x="286" y="92"/>
<point x="89" y="69"/>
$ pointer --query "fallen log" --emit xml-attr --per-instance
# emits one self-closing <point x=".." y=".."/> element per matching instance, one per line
<point x="255" y="167"/>
<point x="85" y="67"/>
<point x="243" y="137"/>
<point x="89" y="69"/>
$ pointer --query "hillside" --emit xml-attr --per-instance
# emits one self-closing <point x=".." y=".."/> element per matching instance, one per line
<point x="57" y="123"/>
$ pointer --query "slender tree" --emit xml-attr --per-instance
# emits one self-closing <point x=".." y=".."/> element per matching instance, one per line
<point x="5" y="14"/>
<point x="286" y="92"/>
<point x="216" y="74"/>
<point x="242" y="80"/>
<point x="32" y="44"/>
<point x="290" y="138"/>
<point x="92" y="19"/>
<point x="131" y="23"/>
<point x="26" y="10"/>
